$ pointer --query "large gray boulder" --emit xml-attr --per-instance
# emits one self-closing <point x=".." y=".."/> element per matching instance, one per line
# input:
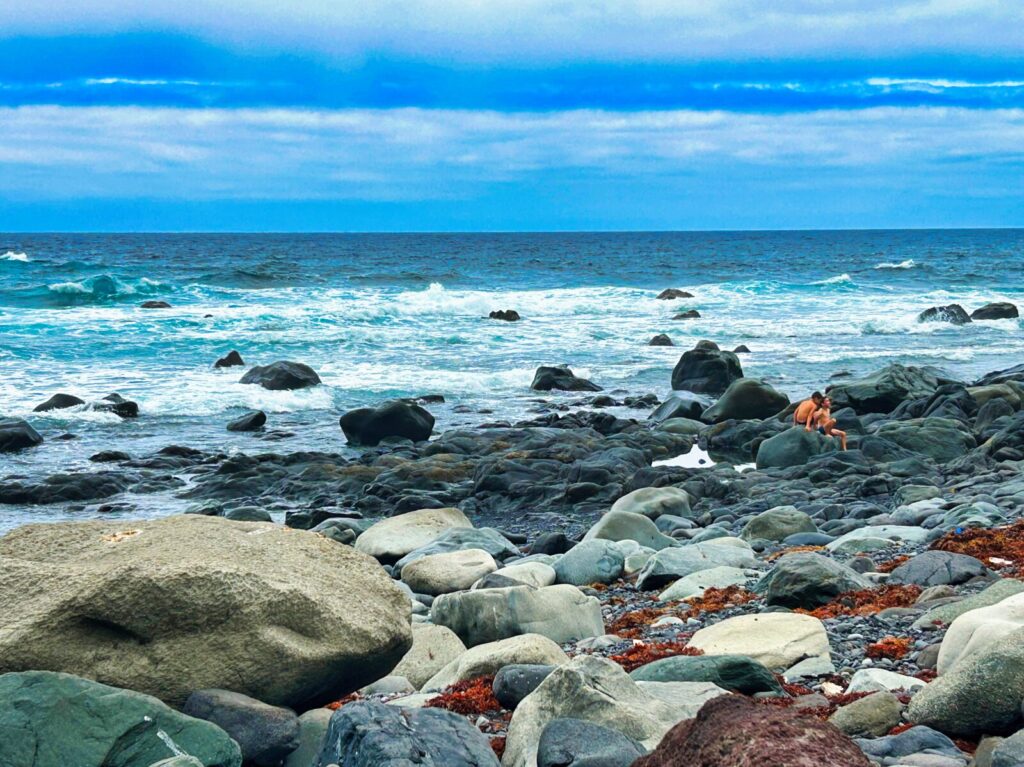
<point x="808" y="580"/>
<point x="653" y="502"/>
<point x="192" y="602"/>
<point x="371" y="734"/>
<point x="938" y="568"/>
<point x="561" y="613"/>
<point x="943" y="439"/>
<point x="16" y="434"/>
<point x="266" y="734"/>
<point x="954" y="314"/>
<point x="793" y="447"/>
<point x="578" y="743"/>
<point x="883" y="390"/>
<point x="999" y="310"/>
<point x="394" y="537"/>
<point x="282" y="375"/>
<point x="629" y="526"/>
<point x="706" y="369"/>
<point x="594" y="561"/>
<point x="681" y="404"/>
<point x="777" y="524"/>
<point x="368" y="426"/>
<point x="745" y="399"/>
<point x="671" y="564"/>
<point x="49" y="719"/>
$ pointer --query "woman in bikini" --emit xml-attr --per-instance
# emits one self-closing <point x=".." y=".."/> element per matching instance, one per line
<point x="827" y="424"/>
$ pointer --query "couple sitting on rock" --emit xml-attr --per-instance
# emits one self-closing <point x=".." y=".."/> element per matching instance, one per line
<point x="816" y="412"/>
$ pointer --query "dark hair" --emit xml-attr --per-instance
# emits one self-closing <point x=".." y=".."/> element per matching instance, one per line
<point x="817" y="395"/>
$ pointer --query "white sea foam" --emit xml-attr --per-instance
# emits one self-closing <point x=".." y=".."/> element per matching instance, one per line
<point x="839" y="279"/>
<point x="13" y="256"/>
<point x="908" y="264"/>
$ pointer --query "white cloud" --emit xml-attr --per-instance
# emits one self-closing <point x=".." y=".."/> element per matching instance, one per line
<point x="53" y="152"/>
<point x="553" y="30"/>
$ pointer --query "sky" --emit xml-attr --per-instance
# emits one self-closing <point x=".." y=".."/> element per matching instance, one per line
<point x="439" y="115"/>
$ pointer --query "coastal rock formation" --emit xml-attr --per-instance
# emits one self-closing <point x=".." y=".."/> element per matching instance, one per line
<point x="230" y="360"/>
<point x="282" y="375"/>
<point x="746" y="398"/>
<point x="952" y="313"/>
<point x="560" y="377"/>
<point x="186" y="603"/>
<point x="16" y="434"/>
<point x="58" y="402"/>
<point x="885" y="389"/>
<point x="58" y="720"/>
<point x="731" y="731"/>
<point x="368" y="426"/>
<point x="1000" y="310"/>
<point x="660" y="340"/>
<point x="507" y="315"/>
<point x="249" y="422"/>
<point x="706" y="369"/>
<point x="670" y="294"/>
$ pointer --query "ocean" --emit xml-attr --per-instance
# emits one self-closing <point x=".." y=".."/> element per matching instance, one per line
<point x="381" y="315"/>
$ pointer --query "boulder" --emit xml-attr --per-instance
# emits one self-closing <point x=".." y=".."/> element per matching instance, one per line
<point x="947" y="613"/>
<point x="312" y="731"/>
<point x="597" y="690"/>
<point x="681" y="404"/>
<point x="118" y="405"/>
<point x="706" y="369"/>
<point x="808" y="580"/>
<point x="515" y="681"/>
<point x="1000" y="310"/>
<point x="58" y="402"/>
<point x="732" y="731"/>
<point x="883" y="390"/>
<point x="746" y="398"/>
<point x="660" y="340"/>
<point x="433" y="648"/>
<point x="593" y="561"/>
<point x="536" y="574"/>
<point x="461" y="538"/>
<point x="777" y="524"/>
<point x="154" y="305"/>
<point x="689" y="314"/>
<point x="282" y="376"/>
<point x="371" y="734"/>
<point x="488" y="659"/>
<point x="954" y="314"/>
<point x="368" y="426"/>
<point x="978" y="629"/>
<point x="578" y="743"/>
<point x="777" y="640"/>
<point x="670" y="294"/>
<point x="230" y="360"/>
<point x="16" y="434"/>
<point x="561" y="613"/>
<point x="560" y="377"/>
<point x="980" y="694"/>
<point x="393" y="538"/>
<point x="734" y="673"/>
<point x="943" y="439"/>
<point x="654" y="501"/>
<point x="50" y="719"/>
<point x="880" y="680"/>
<point x="251" y="421"/>
<point x="265" y="734"/>
<point x="193" y="602"/>
<point x="938" y="568"/>
<point x="793" y="447"/>
<point x="506" y="315"/>
<point x="1010" y="752"/>
<point x="695" y="584"/>
<point x="892" y="749"/>
<point x="873" y="715"/>
<point x="671" y="564"/>
<point x="444" y="573"/>
<point x="627" y="526"/>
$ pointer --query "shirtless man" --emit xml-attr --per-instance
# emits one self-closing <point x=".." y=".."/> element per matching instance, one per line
<point x="827" y="424"/>
<point x="804" y="413"/>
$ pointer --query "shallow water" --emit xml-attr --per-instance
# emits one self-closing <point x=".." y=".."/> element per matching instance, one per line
<point x="397" y="315"/>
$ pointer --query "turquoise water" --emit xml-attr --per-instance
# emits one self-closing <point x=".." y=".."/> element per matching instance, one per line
<point x="395" y="315"/>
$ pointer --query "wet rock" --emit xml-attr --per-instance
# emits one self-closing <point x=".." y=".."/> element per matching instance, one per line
<point x="192" y="602"/>
<point x="943" y="439"/>
<point x="230" y="360"/>
<point x="577" y="743"/>
<point x="731" y="731"/>
<point x="118" y="405"/>
<point x="507" y="315"/>
<point x="282" y="375"/>
<point x="746" y="398"/>
<point x="63" y="488"/>
<point x="58" y="402"/>
<point x="706" y="369"/>
<point x="59" y="720"/>
<point x="670" y="294"/>
<point x="249" y="422"/>
<point x="266" y="734"/>
<point x="1000" y="310"/>
<point x="561" y="378"/>
<point x="371" y="734"/>
<point x="515" y="681"/>
<point x="916" y="740"/>
<point x="951" y="313"/>
<point x="883" y="390"/>
<point x="660" y="340"/>
<point x="561" y="613"/>
<point x="689" y="314"/>
<point x="367" y="426"/>
<point x="793" y="447"/>
<point x="16" y="434"/>
<point x="681" y="405"/>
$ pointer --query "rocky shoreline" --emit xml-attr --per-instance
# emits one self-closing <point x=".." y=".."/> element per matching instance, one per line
<point x="571" y="589"/>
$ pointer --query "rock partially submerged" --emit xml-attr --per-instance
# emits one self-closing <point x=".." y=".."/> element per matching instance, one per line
<point x="560" y="377"/>
<point x="282" y="375"/>
<point x="369" y="426"/>
<point x="58" y="402"/>
<point x="185" y="603"/>
<point x="954" y="314"/>
<point x="706" y="369"/>
<point x="16" y="434"/>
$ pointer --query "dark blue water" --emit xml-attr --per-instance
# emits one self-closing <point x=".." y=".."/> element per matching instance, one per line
<point x="386" y="315"/>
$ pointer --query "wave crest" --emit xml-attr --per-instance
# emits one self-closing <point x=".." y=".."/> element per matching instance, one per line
<point x="12" y="255"/>
<point x="907" y="264"/>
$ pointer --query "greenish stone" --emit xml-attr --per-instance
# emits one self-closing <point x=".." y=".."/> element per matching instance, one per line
<point x="49" y="719"/>
<point x="947" y="613"/>
<point x="736" y="673"/>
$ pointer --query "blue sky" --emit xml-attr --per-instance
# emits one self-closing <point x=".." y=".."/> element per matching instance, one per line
<point x="459" y="114"/>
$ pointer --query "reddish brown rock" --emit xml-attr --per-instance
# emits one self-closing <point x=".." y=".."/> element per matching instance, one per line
<point x="731" y="731"/>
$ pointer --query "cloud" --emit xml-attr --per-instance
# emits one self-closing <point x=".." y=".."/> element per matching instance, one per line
<point x="51" y="152"/>
<point x="550" y="30"/>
